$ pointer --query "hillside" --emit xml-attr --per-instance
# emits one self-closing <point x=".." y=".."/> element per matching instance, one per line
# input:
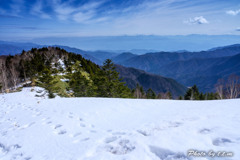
<point x="114" y="129"/>
<point x="61" y="73"/>
<point x="68" y="74"/>
<point x="123" y="57"/>
<point x="97" y="57"/>
<point x="203" y="72"/>
<point x="159" y="84"/>
<point x="189" y="68"/>
<point x="151" y="62"/>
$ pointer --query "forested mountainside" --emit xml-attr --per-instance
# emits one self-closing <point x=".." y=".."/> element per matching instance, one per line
<point x="189" y="68"/>
<point x="203" y="68"/>
<point x="63" y="73"/>
<point x="157" y="83"/>
<point x="69" y="74"/>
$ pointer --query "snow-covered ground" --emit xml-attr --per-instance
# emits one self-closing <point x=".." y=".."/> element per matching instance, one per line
<point x="119" y="129"/>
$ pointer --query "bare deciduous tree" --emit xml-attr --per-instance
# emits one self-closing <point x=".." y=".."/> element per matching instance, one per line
<point x="233" y="87"/>
<point x="3" y="76"/>
<point x="220" y="88"/>
<point x="14" y="76"/>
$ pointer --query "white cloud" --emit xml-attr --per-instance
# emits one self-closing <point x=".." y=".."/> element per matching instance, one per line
<point x="238" y="29"/>
<point x="37" y="10"/>
<point x="79" y="14"/>
<point x="233" y="13"/>
<point x="197" y="20"/>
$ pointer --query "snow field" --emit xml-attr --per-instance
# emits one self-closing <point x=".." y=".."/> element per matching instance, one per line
<point x="39" y="128"/>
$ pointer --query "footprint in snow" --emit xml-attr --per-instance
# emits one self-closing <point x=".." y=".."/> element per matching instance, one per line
<point x="175" y="124"/>
<point x="77" y="134"/>
<point x="49" y="122"/>
<point x="45" y="118"/>
<point x="80" y="119"/>
<point x="27" y="125"/>
<point x="144" y="133"/>
<point x="57" y="126"/>
<point x="85" y="139"/>
<point x="82" y="125"/>
<point x="110" y="139"/>
<point x="221" y="141"/>
<point x="121" y="147"/>
<point x="62" y="132"/>
<point x="205" y="131"/>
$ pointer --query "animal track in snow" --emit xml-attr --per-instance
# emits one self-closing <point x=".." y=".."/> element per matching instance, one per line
<point x="6" y="149"/>
<point x="205" y="131"/>
<point x="82" y="125"/>
<point x="27" y="125"/>
<point x="80" y="119"/>
<point x="110" y="139"/>
<point x="77" y="134"/>
<point x="85" y="139"/>
<point x="121" y="147"/>
<point x="57" y="126"/>
<point x="144" y="133"/>
<point x="175" y="124"/>
<point x="221" y="141"/>
<point x="62" y="132"/>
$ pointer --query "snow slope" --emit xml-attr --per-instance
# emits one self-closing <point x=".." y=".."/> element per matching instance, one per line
<point x="115" y="129"/>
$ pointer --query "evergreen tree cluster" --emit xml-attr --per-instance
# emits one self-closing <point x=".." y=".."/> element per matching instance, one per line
<point x="139" y="92"/>
<point x="194" y="94"/>
<point x="74" y="76"/>
<point x="70" y="75"/>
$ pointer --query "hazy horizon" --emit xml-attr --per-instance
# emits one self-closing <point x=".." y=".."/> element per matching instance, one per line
<point x="163" y="25"/>
<point x="26" y="20"/>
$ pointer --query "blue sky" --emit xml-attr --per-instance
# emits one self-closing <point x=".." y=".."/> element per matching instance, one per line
<point x="29" y="19"/>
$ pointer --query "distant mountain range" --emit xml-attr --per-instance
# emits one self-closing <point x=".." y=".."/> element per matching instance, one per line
<point x="140" y="44"/>
<point x="202" y="68"/>
<point x="189" y="68"/>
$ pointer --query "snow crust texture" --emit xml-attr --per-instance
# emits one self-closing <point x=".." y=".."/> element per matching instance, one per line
<point x="38" y="128"/>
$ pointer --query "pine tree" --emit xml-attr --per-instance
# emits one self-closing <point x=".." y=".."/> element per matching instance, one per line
<point x="46" y="81"/>
<point x="80" y="82"/>
<point x="109" y="84"/>
<point x="192" y="93"/>
<point x="150" y="94"/>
